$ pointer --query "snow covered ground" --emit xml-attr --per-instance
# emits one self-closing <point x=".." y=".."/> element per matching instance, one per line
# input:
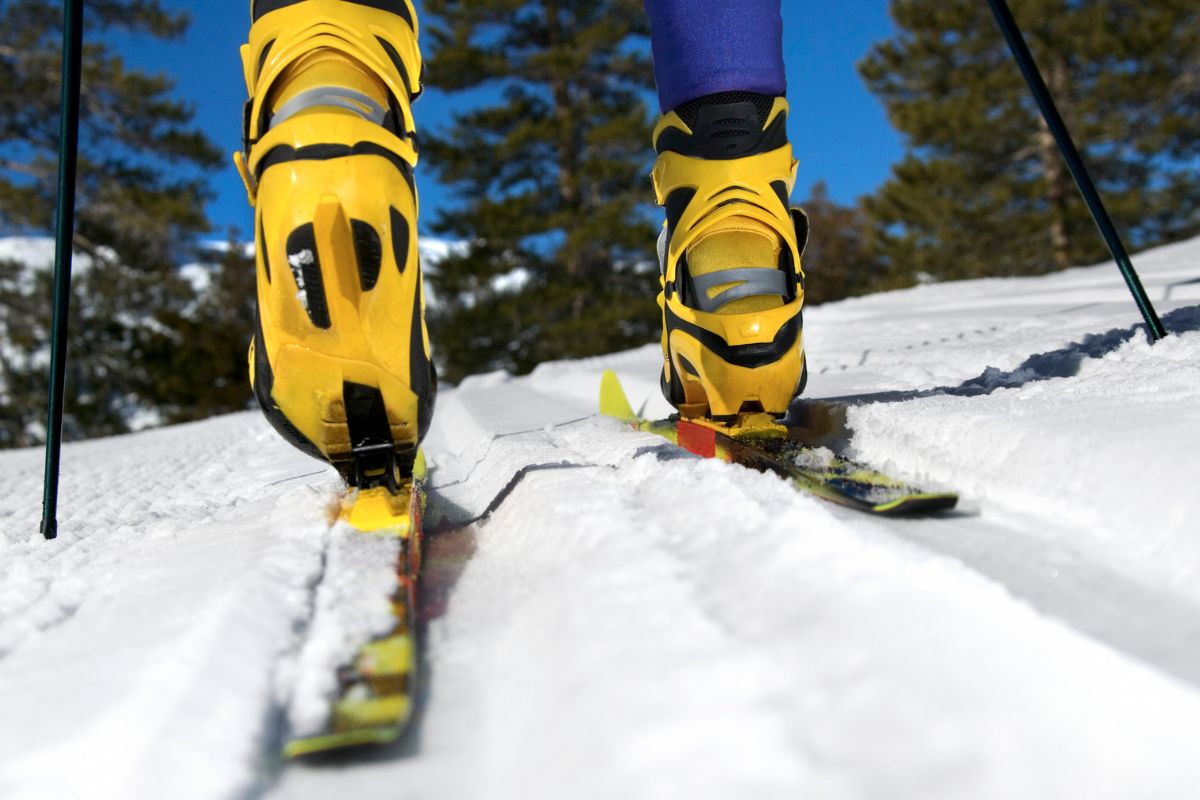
<point x="608" y="618"/>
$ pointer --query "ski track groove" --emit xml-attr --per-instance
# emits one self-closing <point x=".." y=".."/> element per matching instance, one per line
<point x="191" y="500"/>
<point x="1075" y="586"/>
<point x="1048" y="595"/>
<point x="691" y="559"/>
<point x="83" y="532"/>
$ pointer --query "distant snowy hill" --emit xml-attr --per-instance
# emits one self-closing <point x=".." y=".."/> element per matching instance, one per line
<point x="199" y="273"/>
<point x="611" y="619"/>
<point x="37" y="252"/>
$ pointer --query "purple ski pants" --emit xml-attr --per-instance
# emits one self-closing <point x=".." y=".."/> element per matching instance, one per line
<point x="707" y="46"/>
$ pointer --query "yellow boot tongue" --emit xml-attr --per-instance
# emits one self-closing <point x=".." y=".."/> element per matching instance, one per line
<point x="327" y="68"/>
<point x="732" y="244"/>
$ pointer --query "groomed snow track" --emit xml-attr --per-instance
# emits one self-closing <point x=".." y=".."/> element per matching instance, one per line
<point x="610" y="618"/>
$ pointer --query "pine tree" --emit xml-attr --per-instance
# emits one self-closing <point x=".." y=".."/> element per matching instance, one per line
<point x="206" y="359"/>
<point x="142" y="184"/>
<point x="838" y="261"/>
<point x="982" y="188"/>
<point x="552" y="180"/>
<point x="24" y="332"/>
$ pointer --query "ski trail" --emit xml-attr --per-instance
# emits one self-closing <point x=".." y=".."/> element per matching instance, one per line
<point x="770" y="645"/>
<point x="1049" y="568"/>
<point x="868" y="629"/>
<point x="621" y="619"/>
<point x="143" y="646"/>
<point x="192" y="631"/>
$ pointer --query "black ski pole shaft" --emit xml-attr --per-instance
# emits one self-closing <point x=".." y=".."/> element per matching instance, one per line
<point x="68" y="154"/>
<point x="1054" y="121"/>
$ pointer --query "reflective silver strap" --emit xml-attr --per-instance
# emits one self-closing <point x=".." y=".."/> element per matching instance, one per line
<point x="743" y="282"/>
<point x="337" y="96"/>
<point x="662" y="252"/>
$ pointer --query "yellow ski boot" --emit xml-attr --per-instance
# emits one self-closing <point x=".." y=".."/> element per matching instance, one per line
<point x="732" y="283"/>
<point x="340" y="360"/>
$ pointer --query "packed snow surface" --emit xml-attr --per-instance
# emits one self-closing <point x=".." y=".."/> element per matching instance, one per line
<point x="610" y="618"/>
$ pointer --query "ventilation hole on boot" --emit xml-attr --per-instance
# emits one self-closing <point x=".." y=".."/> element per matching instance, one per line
<point x="306" y="267"/>
<point x="781" y="191"/>
<point x="394" y="122"/>
<point x="688" y="368"/>
<point x="400" y="237"/>
<point x="675" y="204"/>
<point x="368" y="251"/>
<point x="262" y="243"/>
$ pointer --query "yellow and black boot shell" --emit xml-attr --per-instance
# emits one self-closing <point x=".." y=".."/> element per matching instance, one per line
<point x="732" y="336"/>
<point x="340" y="360"/>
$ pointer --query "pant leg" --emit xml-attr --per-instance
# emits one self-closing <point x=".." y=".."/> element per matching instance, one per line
<point x="703" y="47"/>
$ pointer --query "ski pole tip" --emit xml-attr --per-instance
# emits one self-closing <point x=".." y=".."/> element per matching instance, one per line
<point x="49" y="527"/>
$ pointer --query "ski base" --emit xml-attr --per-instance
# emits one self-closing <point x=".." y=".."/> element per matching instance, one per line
<point x="376" y="690"/>
<point x="770" y="447"/>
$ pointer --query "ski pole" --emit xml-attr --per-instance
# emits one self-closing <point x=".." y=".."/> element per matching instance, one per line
<point x="68" y="153"/>
<point x="1024" y="59"/>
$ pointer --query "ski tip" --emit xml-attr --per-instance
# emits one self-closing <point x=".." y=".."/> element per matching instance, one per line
<point x="613" y="402"/>
<point x="917" y="503"/>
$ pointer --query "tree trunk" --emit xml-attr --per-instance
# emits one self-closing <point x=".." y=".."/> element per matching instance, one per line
<point x="1058" y="183"/>
<point x="568" y="163"/>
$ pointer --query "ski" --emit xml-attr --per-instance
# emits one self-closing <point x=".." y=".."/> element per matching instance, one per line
<point x="376" y="690"/>
<point x="811" y="468"/>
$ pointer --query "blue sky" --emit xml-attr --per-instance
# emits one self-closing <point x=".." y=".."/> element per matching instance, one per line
<point x="838" y="129"/>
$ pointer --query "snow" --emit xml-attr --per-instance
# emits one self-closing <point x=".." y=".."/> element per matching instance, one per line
<point x="198" y="275"/>
<point x="433" y="249"/>
<point x="608" y="617"/>
<point x="351" y="607"/>
<point x="37" y="252"/>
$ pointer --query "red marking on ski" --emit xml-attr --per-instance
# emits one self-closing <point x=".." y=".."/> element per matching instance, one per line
<point x="697" y="439"/>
